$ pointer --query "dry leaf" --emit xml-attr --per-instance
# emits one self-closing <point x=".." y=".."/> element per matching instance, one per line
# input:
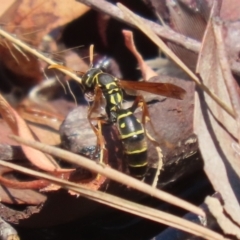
<point x="216" y="130"/>
<point x="20" y="128"/>
<point x="5" y="130"/>
<point x="217" y="211"/>
<point x="39" y="17"/>
<point x="45" y="135"/>
<point x="4" y="5"/>
<point x="21" y="196"/>
<point x="31" y="21"/>
<point x="230" y="10"/>
<point x="43" y="124"/>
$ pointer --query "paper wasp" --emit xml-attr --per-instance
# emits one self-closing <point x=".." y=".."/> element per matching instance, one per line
<point x="100" y="89"/>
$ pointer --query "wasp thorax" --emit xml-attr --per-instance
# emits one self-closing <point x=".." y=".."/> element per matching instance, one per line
<point x="89" y="78"/>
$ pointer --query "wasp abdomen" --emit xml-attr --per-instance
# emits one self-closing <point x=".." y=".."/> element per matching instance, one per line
<point x="136" y="156"/>
<point x="134" y="142"/>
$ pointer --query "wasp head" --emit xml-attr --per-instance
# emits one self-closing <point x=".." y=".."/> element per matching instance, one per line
<point x="89" y="79"/>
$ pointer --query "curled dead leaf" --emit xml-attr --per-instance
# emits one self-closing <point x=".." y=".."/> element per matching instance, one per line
<point x="217" y="131"/>
<point x="20" y="128"/>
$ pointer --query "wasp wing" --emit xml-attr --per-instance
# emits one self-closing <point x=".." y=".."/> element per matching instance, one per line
<point x="163" y="89"/>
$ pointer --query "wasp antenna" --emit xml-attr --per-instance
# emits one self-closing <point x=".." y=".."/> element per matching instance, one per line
<point x="65" y="91"/>
<point x="71" y="92"/>
<point x="11" y="52"/>
<point x="91" y="55"/>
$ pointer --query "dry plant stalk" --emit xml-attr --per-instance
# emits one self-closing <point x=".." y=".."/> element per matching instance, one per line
<point x="124" y="205"/>
<point x="111" y="174"/>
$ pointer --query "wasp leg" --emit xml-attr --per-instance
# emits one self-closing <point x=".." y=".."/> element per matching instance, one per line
<point x="101" y="147"/>
<point x="101" y="144"/>
<point x="160" y="158"/>
<point x="98" y="132"/>
<point x="100" y="120"/>
<point x="140" y="103"/>
<point x="100" y="140"/>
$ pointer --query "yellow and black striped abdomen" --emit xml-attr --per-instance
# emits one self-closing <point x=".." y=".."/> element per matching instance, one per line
<point x="134" y="142"/>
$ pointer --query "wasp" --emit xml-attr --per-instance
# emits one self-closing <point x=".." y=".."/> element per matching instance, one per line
<point x="100" y="89"/>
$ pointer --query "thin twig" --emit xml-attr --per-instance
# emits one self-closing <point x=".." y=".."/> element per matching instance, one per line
<point x="110" y="173"/>
<point x="124" y="205"/>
